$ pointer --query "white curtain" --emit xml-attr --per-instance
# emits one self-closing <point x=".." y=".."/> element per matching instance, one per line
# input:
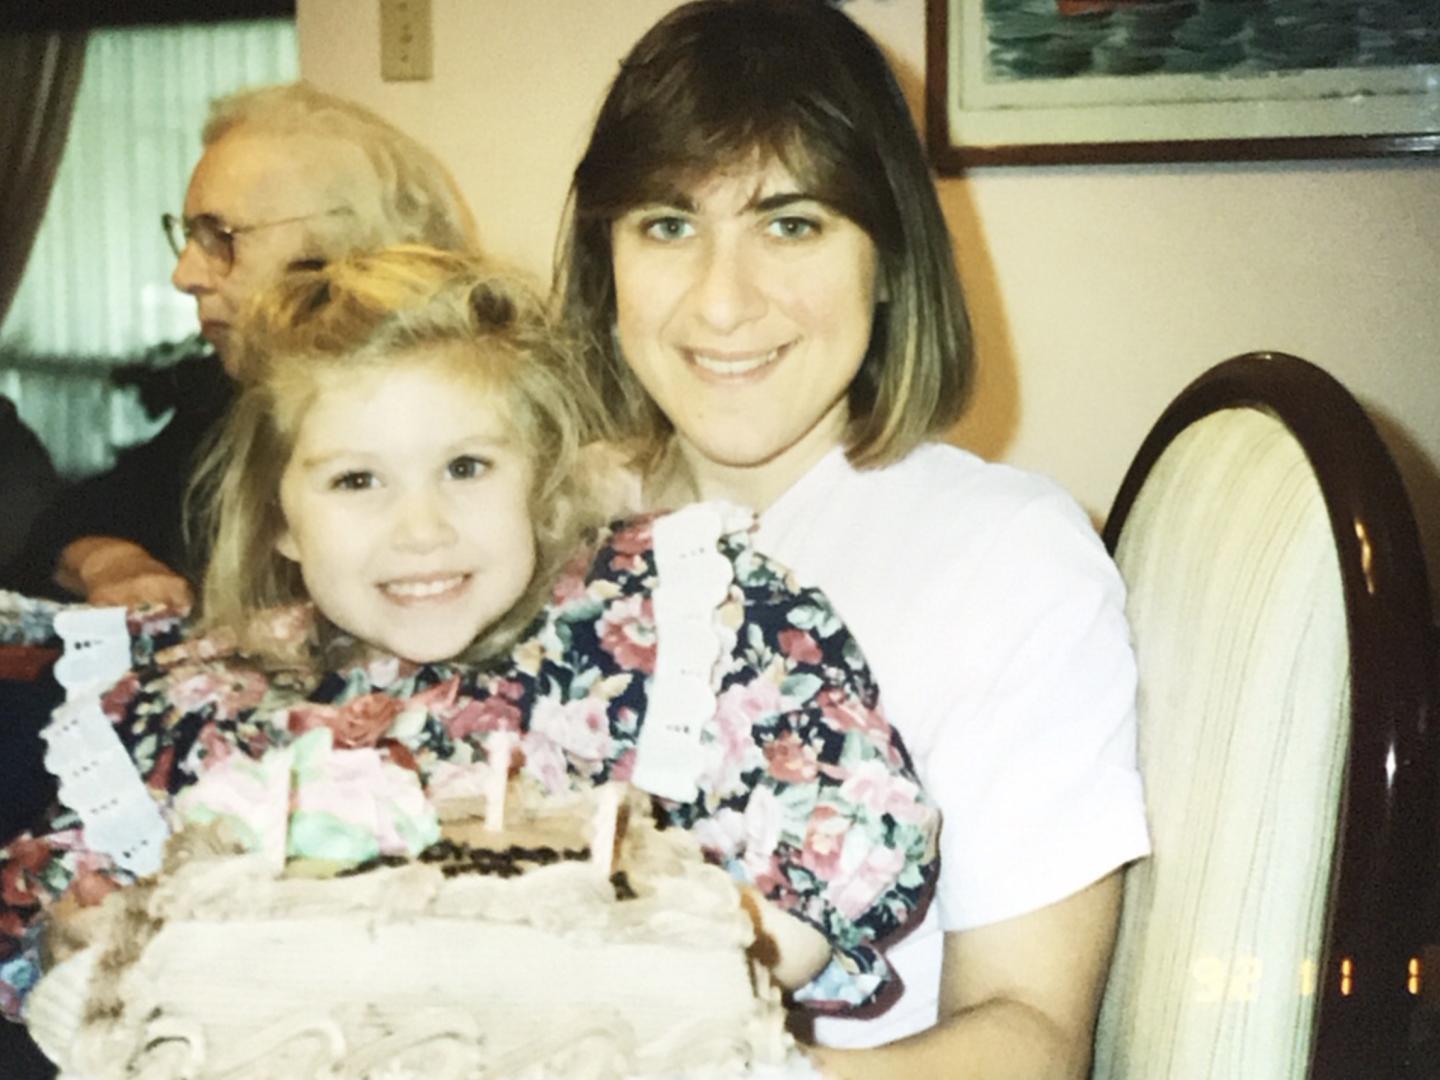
<point x="96" y="290"/>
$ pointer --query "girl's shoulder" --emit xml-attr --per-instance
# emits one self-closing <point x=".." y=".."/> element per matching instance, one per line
<point x="615" y="556"/>
<point x="28" y="620"/>
<point x="631" y="551"/>
<point x="154" y="664"/>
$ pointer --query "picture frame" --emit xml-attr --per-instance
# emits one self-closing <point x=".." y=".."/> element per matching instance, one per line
<point x="1050" y="82"/>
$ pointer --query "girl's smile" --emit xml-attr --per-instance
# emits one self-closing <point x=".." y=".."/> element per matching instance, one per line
<point x="407" y="506"/>
<point x="432" y="588"/>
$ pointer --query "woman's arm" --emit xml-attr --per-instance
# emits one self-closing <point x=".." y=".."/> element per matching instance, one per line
<point x="1018" y="999"/>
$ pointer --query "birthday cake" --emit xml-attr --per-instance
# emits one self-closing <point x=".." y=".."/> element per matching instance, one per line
<point x="202" y="799"/>
<point x="516" y="954"/>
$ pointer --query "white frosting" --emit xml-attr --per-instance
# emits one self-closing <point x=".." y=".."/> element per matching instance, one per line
<point x="220" y="969"/>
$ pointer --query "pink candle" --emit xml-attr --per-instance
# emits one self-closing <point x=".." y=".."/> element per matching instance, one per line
<point x="602" y="834"/>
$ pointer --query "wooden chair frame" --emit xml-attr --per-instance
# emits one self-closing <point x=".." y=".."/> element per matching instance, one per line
<point x="1382" y="898"/>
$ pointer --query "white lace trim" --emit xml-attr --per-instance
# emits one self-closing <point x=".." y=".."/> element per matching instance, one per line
<point x="97" y="777"/>
<point x="99" y="781"/>
<point x="694" y="580"/>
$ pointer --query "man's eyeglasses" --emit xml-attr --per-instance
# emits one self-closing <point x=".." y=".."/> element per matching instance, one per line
<point x="215" y="239"/>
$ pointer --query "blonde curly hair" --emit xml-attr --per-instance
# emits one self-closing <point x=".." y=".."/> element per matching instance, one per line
<point x="362" y="313"/>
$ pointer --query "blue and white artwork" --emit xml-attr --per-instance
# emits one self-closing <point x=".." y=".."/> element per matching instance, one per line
<point x="1056" y="39"/>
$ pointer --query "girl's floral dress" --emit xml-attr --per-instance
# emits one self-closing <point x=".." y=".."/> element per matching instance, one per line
<point x="802" y="788"/>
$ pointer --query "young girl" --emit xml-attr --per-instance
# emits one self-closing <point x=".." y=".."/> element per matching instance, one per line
<point x="393" y="497"/>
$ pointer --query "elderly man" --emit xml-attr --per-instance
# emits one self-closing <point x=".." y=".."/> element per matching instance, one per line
<point x="289" y="175"/>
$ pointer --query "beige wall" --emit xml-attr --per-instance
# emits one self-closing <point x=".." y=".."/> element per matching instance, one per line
<point x="1097" y="292"/>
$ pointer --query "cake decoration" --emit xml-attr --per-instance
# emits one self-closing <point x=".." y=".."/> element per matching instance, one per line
<point x="489" y="955"/>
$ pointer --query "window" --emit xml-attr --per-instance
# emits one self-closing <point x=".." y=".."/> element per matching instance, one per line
<point x="96" y="292"/>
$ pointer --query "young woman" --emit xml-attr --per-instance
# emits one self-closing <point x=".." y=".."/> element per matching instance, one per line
<point x="756" y="252"/>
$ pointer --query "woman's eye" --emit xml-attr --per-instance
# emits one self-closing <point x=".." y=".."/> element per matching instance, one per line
<point x="667" y="228"/>
<point x="355" y="480"/>
<point x="794" y="228"/>
<point x="467" y="467"/>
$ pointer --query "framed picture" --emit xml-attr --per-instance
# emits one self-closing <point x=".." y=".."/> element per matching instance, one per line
<point x="1063" y="81"/>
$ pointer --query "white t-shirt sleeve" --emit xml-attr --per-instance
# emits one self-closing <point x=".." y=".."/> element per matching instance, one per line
<point x="1033" y="761"/>
<point x="993" y="620"/>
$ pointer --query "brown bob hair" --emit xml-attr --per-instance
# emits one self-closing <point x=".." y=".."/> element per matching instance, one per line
<point x="716" y="83"/>
<point x="316" y="327"/>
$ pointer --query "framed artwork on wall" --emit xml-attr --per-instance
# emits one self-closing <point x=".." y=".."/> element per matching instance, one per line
<point x="1068" y="81"/>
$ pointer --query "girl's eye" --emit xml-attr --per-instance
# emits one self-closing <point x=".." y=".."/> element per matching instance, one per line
<point x="667" y="227"/>
<point x="355" y="480"/>
<point x="467" y="467"/>
<point x="792" y="227"/>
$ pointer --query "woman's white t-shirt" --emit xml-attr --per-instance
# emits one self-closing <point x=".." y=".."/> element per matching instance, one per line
<point x="994" y="622"/>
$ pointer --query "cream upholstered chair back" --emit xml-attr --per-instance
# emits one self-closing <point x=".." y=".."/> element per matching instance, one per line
<point x="1281" y="617"/>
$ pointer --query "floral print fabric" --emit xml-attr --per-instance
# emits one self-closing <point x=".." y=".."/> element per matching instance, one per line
<point x="805" y="791"/>
<point x="37" y="870"/>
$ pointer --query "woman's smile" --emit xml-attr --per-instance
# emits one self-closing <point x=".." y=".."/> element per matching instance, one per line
<point x="744" y="306"/>
<point x="730" y="366"/>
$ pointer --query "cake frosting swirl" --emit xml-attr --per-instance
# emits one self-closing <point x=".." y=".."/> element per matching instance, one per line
<point x="220" y="968"/>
